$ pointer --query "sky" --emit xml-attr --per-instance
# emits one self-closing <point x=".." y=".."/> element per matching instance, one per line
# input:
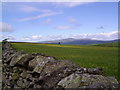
<point x="43" y="21"/>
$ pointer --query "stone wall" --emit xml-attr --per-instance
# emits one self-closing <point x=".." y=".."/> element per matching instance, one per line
<point x="0" y="65"/>
<point x="26" y="70"/>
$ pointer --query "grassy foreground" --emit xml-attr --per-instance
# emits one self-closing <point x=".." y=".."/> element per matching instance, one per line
<point x="85" y="56"/>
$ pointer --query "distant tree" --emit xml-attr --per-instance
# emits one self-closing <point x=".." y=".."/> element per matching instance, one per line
<point x="58" y="42"/>
<point x="5" y="40"/>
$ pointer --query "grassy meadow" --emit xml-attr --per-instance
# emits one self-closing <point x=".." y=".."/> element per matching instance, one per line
<point x="83" y="55"/>
<point x="112" y="44"/>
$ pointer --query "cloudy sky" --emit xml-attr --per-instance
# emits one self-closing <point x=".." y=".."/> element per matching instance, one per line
<point x="41" y="21"/>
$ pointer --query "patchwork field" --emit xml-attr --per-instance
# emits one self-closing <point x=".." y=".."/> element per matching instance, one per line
<point x="85" y="56"/>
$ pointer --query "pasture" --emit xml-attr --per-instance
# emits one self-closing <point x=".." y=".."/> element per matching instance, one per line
<point x="83" y="55"/>
<point x="112" y="44"/>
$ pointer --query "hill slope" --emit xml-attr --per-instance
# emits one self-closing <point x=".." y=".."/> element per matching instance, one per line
<point x="71" y="41"/>
<point x="112" y="44"/>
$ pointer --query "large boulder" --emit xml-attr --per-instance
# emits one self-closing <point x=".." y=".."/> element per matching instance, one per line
<point x="86" y="80"/>
<point x="17" y="57"/>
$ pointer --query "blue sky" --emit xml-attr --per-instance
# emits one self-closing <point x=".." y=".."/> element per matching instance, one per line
<point x="41" y="21"/>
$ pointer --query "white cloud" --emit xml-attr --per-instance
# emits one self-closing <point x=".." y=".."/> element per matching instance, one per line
<point x="46" y="22"/>
<point x="35" y="37"/>
<point x="39" y="16"/>
<point x="68" y="4"/>
<point x="72" y="20"/>
<point x="9" y="37"/>
<point x="29" y="9"/>
<point x="64" y="27"/>
<point x="33" y="9"/>
<point x="55" y="37"/>
<point x="59" y="0"/>
<point x="74" y="3"/>
<point x="98" y="36"/>
<point x="1" y="36"/>
<point x="32" y="38"/>
<point x="5" y="27"/>
<point x="25" y="38"/>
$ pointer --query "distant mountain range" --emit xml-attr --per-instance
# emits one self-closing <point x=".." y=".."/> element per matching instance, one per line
<point x="72" y="41"/>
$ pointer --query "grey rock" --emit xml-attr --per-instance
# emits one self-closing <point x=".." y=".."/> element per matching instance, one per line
<point x="20" y="83"/>
<point x="37" y="86"/>
<point x="18" y="56"/>
<point x="16" y="86"/>
<point x="7" y="87"/>
<point x="98" y="71"/>
<point x="15" y="76"/>
<point x="23" y="74"/>
<point x="85" y="80"/>
<point x="15" y="69"/>
<point x="26" y="83"/>
<point x="72" y="81"/>
<point x="25" y="60"/>
<point x="40" y="63"/>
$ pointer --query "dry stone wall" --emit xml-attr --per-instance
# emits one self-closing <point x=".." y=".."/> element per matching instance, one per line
<point x="26" y="70"/>
<point x="0" y="65"/>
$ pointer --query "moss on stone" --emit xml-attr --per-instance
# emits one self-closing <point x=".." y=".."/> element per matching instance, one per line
<point x="21" y="58"/>
<point x="15" y="76"/>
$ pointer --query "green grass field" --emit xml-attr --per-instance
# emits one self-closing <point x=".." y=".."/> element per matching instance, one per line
<point x="112" y="44"/>
<point x="85" y="56"/>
